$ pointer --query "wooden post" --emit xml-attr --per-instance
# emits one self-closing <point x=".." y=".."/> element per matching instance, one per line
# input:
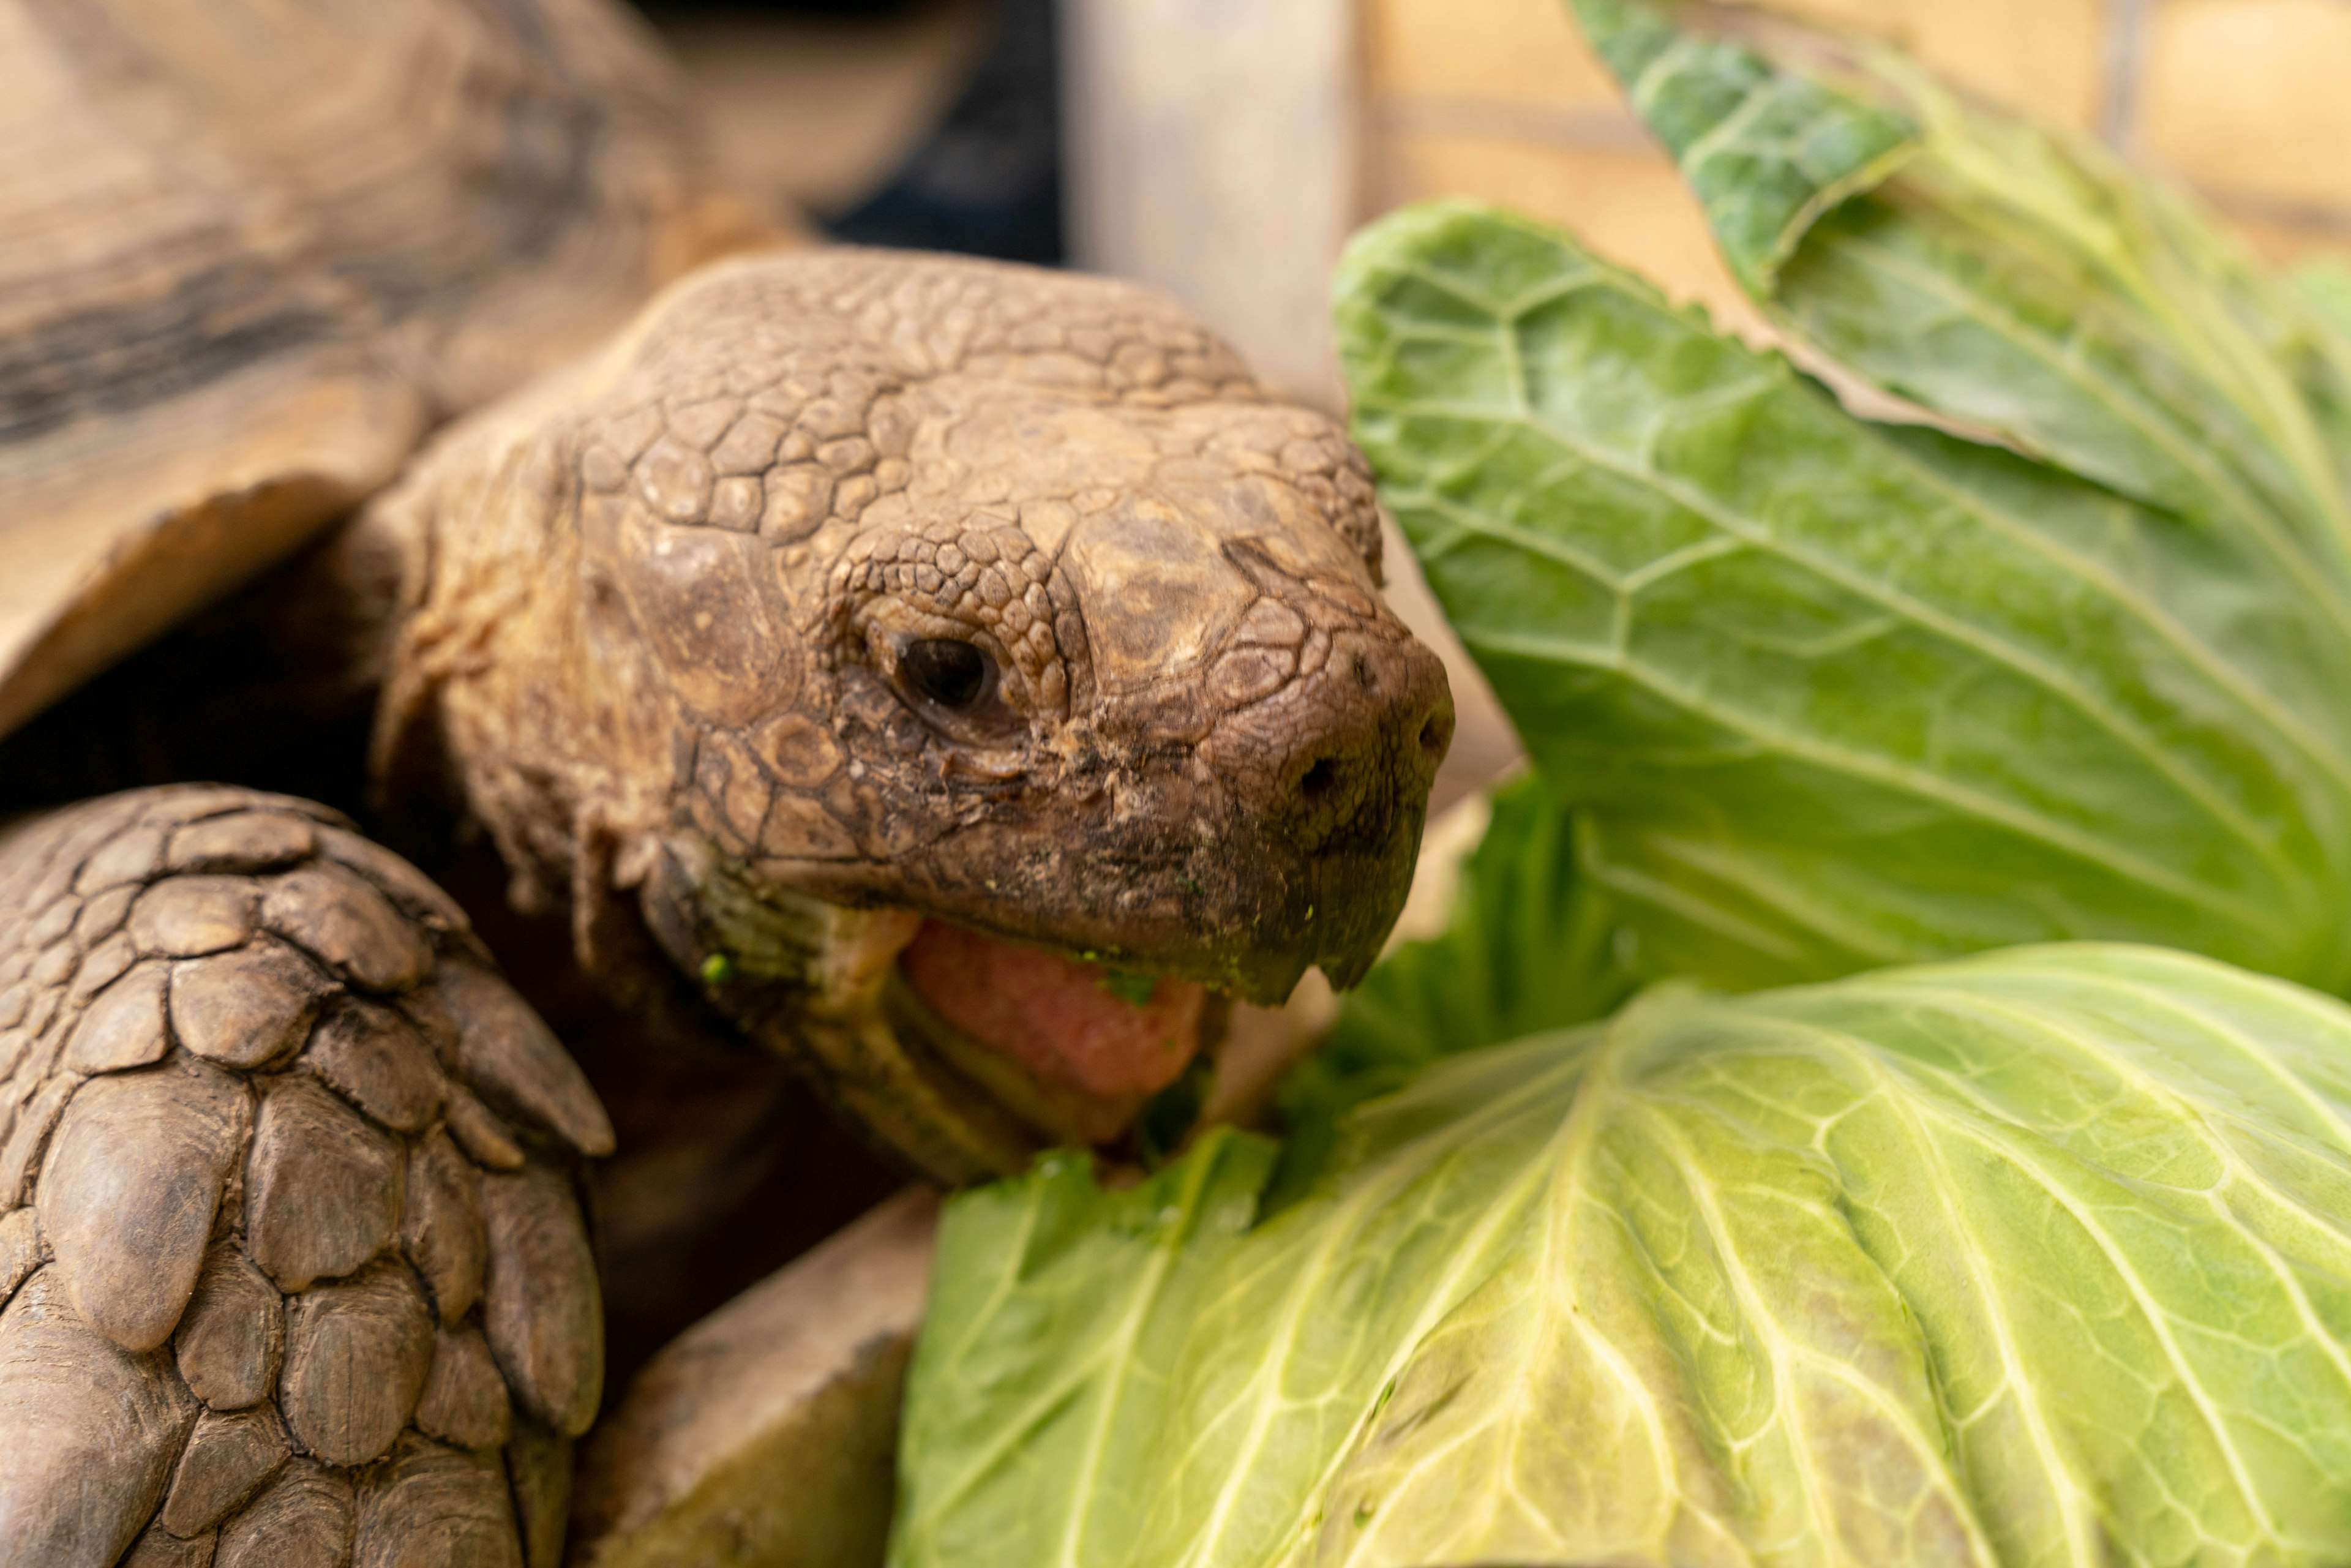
<point x="1211" y="152"/>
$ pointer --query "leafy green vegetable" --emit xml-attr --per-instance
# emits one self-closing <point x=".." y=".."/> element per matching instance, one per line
<point x="1766" y="151"/>
<point x="1133" y="986"/>
<point x="2012" y="277"/>
<point x="2038" y="1256"/>
<point x="1834" y="694"/>
<point x="1529" y="945"/>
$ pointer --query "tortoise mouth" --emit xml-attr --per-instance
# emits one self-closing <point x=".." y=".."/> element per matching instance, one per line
<point x="964" y="1052"/>
<point x="1068" y="1050"/>
<point x="1073" y="1047"/>
<point x="971" y="1053"/>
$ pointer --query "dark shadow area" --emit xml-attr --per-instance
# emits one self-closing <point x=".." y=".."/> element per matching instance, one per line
<point x="987" y="182"/>
<point x="986" y="179"/>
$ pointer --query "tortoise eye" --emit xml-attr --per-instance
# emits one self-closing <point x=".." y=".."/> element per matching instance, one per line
<point x="955" y="675"/>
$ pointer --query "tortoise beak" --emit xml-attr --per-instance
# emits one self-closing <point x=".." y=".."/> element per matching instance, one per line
<point x="1340" y="809"/>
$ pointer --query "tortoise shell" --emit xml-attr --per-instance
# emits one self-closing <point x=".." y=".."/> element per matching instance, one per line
<point x="257" y="248"/>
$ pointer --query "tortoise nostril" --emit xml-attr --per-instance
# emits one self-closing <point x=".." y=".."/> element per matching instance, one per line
<point x="1432" y="735"/>
<point x="1317" y="780"/>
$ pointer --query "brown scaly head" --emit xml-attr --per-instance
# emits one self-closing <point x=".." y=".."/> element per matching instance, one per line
<point x="962" y="670"/>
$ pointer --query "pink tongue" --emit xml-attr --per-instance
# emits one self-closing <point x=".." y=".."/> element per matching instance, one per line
<point x="1052" y="1014"/>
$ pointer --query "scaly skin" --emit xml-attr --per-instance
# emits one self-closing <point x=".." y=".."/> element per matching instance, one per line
<point x="655" y="617"/>
<point x="290" y="1258"/>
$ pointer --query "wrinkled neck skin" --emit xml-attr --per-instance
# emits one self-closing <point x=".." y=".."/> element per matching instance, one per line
<point x="663" y="623"/>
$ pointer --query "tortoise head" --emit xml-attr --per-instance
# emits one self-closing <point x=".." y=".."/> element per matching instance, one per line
<point x="976" y="668"/>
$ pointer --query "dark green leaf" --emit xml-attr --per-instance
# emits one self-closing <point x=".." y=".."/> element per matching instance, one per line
<point x="1766" y="151"/>
<point x="1133" y="986"/>
<point x="1834" y="694"/>
<point x="2008" y="275"/>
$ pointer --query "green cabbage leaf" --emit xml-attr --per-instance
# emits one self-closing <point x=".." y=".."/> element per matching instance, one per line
<point x="1831" y="693"/>
<point x="2014" y="277"/>
<point x="2037" y="1257"/>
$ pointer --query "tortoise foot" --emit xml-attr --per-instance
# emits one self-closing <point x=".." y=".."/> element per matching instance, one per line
<point x="291" y="1252"/>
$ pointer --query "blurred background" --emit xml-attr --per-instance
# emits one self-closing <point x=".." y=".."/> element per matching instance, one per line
<point x="1223" y="150"/>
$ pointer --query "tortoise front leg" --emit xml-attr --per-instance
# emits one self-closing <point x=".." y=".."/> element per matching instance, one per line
<point x="290" y="1246"/>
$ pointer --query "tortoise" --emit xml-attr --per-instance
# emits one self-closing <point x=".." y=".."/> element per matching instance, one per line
<point x="960" y="678"/>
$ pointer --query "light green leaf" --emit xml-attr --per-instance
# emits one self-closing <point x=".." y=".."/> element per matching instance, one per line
<point x="2327" y="286"/>
<point x="2038" y="1257"/>
<point x="1832" y="694"/>
<point x="2325" y="370"/>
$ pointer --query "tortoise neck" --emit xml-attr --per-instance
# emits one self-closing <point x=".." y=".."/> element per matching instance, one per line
<point x="504" y="693"/>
